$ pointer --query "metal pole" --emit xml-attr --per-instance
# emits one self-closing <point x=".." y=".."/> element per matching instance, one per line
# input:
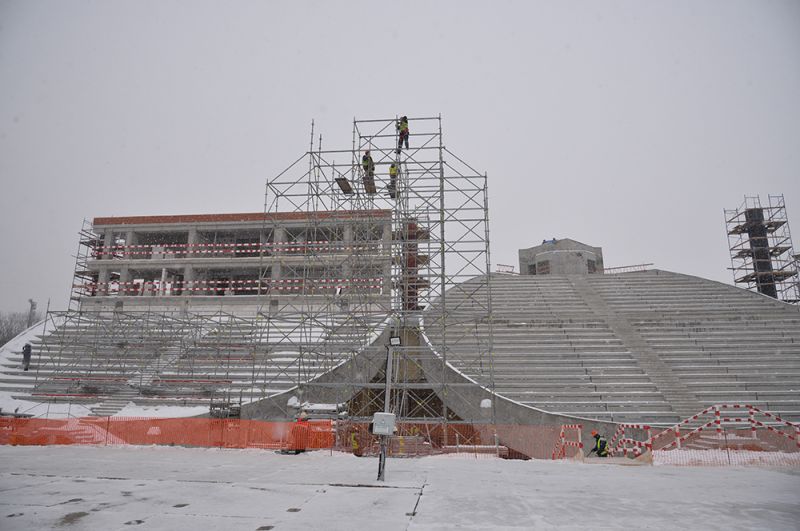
<point x="443" y="274"/>
<point x="386" y="409"/>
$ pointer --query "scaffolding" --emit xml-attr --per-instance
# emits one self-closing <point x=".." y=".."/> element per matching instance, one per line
<point x="760" y="243"/>
<point x="422" y="231"/>
<point x="88" y="243"/>
<point x="348" y="255"/>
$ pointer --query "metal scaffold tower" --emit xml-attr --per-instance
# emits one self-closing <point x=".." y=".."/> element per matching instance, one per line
<point x="88" y="243"/>
<point x="393" y="231"/>
<point x="762" y="256"/>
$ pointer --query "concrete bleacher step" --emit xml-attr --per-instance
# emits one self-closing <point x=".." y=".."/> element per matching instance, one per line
<point x="675" y="336"/>
<point x="111" y="363"/>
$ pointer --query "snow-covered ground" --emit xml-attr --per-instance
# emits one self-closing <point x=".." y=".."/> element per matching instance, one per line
<point x="178" y="488"/>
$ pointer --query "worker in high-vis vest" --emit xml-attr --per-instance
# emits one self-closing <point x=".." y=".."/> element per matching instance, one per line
<point x="393" y="177"/>
<point x="354" y="443"/>
<point x="402" y="130"/>
<point x="600" y="445"/>
<point x="368" y="164"/>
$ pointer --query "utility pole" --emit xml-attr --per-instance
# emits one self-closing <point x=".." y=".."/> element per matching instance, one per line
<point x="383" y="423"/>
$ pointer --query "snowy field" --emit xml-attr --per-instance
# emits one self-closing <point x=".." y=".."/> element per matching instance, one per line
<point x="163" y="488"/>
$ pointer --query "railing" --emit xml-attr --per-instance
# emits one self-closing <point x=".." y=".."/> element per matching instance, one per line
<point x="626" y="269"/>
<point x="505" y="268"/>
<point x="230" y="249"/>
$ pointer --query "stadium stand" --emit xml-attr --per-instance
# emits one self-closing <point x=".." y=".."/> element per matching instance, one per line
<point x="649" y="346"/>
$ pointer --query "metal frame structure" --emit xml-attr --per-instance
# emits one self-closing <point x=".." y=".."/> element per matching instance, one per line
<point x="760" y="243"/>
<point x="88" y="242"/>
<point x="376" y="257"/>
<point x="437" y="239"/>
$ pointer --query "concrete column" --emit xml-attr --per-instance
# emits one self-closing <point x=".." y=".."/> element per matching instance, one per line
<point x="188" y="278"/>
<point x="347" y="265"/>
<point x="124" y="278"/>
<point x="192" y="240"/>
<point x="130" y="239"/>
<point x="102" y="280"/>
<point x="108" y="243"/>
<point x="279" y="236"/>
<point x="162" y="287"/>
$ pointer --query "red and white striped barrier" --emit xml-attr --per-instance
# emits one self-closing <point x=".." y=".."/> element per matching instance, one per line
<point x="560" y="449"/>
<point x="621" y="443"/>
<point x="121" y="251"/>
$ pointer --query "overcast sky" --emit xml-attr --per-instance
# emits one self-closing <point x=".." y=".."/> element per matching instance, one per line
<point x="628" y="125"/>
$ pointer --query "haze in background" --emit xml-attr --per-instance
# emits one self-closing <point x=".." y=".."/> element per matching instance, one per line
<point x="628" y="125"/>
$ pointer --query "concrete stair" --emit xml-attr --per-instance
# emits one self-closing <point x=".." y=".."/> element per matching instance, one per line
<point x="652" y="346"/>
<point x="110" y="362"/>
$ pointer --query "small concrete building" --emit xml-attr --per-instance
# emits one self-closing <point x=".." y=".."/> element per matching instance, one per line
<point x="561" y="257"/>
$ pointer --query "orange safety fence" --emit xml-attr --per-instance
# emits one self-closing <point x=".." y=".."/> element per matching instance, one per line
<point x="726" y="446"/>
<point x="411" y="439"/>
<point x="199" y="432"/>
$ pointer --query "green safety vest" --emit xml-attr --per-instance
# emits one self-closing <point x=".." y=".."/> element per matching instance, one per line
<point x="393" y="171"/>
<point x="602" y="447"/>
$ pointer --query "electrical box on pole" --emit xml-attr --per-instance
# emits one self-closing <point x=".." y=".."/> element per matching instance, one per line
<point x="383" y="424"/>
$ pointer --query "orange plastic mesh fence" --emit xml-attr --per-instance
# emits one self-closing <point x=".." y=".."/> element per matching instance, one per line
<point x="411" y="439"/>
<point x="730" y="446"/>
<point x="777" y="439"/>
<point x="223" y="433"/>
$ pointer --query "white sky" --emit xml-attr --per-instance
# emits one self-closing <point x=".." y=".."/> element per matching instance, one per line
<point x="627" y="124"/>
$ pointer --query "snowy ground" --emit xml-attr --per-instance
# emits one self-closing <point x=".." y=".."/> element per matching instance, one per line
<point x="178" y="488"/>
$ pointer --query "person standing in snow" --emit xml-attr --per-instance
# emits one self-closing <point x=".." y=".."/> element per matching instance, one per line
<point x="26" y="356"/>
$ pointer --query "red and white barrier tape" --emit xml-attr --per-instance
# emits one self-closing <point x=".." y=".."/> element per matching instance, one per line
<point x="243" y="247"/>
<point x="619" y="439"/>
